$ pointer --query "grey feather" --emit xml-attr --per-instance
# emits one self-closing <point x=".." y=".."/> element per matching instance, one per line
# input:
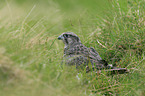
<point x="77" y="54"/>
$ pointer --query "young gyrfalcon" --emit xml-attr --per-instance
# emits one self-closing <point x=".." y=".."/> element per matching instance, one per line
<point x="75" y="53"/>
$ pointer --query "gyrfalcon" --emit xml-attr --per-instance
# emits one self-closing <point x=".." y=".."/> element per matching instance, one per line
<point x="75" y="53"/>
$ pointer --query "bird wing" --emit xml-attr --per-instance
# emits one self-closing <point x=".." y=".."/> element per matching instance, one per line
<point x="77" y="49"/>
<point x="96" y="60"/>
<point x="94" y="54"/>
<point x="77" y="54"/>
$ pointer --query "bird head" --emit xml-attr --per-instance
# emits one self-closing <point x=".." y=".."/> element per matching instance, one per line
<point x="69" y="38"/>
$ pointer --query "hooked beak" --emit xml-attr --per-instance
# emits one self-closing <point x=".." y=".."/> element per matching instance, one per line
<point x="60" y="37"/>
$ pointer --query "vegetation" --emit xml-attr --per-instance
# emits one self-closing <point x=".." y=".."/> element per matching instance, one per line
<point x="30" y="53"/>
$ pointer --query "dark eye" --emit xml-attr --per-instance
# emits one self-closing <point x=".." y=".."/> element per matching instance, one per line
<point x="66" y="35"/>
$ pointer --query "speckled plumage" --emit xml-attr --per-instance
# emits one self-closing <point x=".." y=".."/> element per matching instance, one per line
<point x="75" y="53"/>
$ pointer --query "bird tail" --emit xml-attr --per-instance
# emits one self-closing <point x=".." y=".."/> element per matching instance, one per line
<point x="115" y="70"/>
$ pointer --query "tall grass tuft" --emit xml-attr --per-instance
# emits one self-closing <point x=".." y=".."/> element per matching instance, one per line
<point x="30" y="54"/>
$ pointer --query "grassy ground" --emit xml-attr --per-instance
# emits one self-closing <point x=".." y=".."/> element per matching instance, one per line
<point x="30" y="53"/>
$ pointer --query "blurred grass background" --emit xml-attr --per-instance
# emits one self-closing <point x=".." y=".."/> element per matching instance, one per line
<point x="30" y="53"/>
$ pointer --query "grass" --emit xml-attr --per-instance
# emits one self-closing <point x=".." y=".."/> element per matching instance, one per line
<point x="30" y="53"/>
